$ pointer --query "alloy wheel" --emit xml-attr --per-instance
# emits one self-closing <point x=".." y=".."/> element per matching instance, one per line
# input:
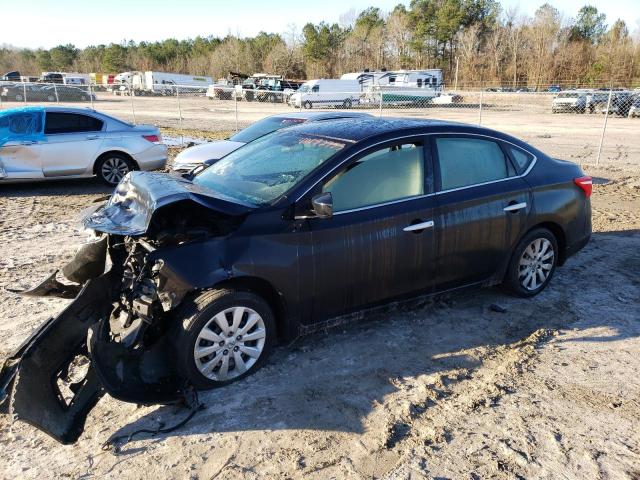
<point x="536" y="264"/>
<point x="114" y="169"/>
<point x="230" y="343"/>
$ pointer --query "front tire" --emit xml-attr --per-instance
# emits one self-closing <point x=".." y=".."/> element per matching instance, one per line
<point x="307" y="105"/>
<point x="223" y="335"/>
<point x="533" y="263"/>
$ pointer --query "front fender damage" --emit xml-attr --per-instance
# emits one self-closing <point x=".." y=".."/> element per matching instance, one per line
<point x="60" y="372"/>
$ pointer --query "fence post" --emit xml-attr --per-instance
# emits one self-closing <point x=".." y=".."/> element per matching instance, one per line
<point x="480" y="113"/>
<point x="180" y="116"/>
<point x="55" y="90"/>
<point x="91" y="97"/>
<point x="24" y="91"/>
<point x="0" y="100"/>
<point x="235" y="101"/>
<point x="133" y="108"/>
<point x="380" y="90"/>
<point x="604" y="127"/>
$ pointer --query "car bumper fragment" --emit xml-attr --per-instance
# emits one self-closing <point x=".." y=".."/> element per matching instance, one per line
<point x="32" y="380"/>
<point x="60" y="372"/>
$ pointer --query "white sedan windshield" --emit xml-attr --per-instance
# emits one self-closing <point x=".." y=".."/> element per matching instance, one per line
<point x="265" y="169"/>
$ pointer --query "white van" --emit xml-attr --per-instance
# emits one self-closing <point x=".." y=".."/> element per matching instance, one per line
<point x="326" y="93"/>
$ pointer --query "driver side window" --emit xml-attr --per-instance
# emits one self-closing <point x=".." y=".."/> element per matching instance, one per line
<point x="391" y="173"/>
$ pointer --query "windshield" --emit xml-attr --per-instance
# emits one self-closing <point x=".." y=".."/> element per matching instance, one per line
<point x="263" y="127"/>
<point x="304" y="88"/>
<point x="263" y="170"/>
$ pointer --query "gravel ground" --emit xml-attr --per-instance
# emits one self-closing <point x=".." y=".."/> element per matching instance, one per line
<point x="448" y="389"/>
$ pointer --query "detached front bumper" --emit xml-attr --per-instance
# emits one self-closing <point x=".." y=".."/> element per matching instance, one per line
<point x="32" y="379"/>
<point x="60" y="372"/>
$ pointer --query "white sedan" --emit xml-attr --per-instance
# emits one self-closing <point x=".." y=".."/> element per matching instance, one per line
<point x="42" y="143"/>
<point x="191" y="157"/>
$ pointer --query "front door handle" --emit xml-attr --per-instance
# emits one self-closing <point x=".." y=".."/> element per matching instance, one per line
<point x="514" y="207"/>
<point x="93" y="137"/>
<point x="418" y="226"/>
<point x="27" y="142"/>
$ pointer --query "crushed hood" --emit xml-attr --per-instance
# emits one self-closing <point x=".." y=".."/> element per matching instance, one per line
<point x="140" y="194"/>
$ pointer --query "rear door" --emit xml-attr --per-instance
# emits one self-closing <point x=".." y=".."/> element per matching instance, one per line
<point x="379" y="243"/>
<point x="73" y="141"/>
<point x="483" y="204"/>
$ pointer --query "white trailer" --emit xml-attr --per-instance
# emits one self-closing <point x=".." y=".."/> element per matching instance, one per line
<point x="161" y="83"/>
<point x="326" y="93"/>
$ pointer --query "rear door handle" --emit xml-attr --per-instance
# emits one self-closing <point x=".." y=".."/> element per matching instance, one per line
<point x="418" y="226"/>
<point x="28" y="142"/>
<point x="514" y="207"/>
<point x="93" y="137"/>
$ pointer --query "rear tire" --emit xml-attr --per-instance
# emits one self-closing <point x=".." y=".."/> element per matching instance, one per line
<point x="223" y="335"/>
<point x="347" y="104"/>
<point x="112" y="168"/>
<point x="533" y="263"/>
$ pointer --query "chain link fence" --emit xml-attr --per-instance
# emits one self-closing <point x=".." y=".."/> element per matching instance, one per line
<point x="588" y="126"/>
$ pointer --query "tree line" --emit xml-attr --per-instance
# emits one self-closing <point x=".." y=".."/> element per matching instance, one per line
<point x="477" y="39"/>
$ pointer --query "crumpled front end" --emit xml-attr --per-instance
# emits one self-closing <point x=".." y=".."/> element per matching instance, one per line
<point x="116" y="334"/>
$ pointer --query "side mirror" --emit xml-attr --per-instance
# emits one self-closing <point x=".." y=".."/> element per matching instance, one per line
<point x="323" y="205"/>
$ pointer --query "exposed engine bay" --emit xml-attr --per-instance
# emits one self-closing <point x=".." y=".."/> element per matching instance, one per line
<point x="115" y="336"/>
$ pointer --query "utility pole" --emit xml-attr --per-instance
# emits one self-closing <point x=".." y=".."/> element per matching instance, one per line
<point x="455" y="88"/>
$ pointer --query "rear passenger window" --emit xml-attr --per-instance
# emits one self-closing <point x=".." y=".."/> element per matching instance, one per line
<point x="70" y="123"/>
<point x="388" y="174"/>
<point x="470" y="161"/>
<point x="522" y="158"/>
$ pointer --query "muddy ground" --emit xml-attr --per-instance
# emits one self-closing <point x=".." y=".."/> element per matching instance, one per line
<point x="448" y="389"/>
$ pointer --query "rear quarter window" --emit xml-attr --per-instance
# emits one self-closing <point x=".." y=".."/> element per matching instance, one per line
<point x="521" y="158"/>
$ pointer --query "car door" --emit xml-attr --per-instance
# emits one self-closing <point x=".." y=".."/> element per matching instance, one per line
<point x="483" y="206"/>
<point x="379" y="242"/>
<point x="73" y="141"/>
<point x="20" y="145"/>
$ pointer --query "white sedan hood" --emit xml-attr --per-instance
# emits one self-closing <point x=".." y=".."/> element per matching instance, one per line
<point x="193" y="156"/>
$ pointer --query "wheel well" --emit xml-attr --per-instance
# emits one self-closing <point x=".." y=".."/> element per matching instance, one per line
<point x="119" y="152"/>
<point x="561" y="238"/>
<point x="267" y="292"/>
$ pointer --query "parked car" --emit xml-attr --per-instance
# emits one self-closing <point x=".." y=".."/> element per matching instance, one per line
<point x="554" y="88"/>
<point x="634" y="110"/>
<point x="18" y="92"/>
<point x="569" y="101"/>
<point x="621" y="103"/>
<point x="66" y="93"/>
<point x="596" y="101"/>
<point x="191" y="157"/>
<point x="292" y="230"/>
<point x="43" y="93"/>
<point x="43" y="143"/>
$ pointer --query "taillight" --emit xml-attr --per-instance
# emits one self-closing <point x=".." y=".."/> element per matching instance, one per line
<point x="152" y="138"/>
<point x="585" y="183"/>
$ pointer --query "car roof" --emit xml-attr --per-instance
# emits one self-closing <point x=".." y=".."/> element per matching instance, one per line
<point x="355" y="130"/>
<point x="314" y="116"/>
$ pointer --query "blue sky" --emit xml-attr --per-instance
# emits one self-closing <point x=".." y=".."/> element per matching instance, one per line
<point x="46" y="23"/>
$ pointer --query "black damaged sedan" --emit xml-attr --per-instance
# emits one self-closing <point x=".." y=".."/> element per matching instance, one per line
<point x="189" y="283"/>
